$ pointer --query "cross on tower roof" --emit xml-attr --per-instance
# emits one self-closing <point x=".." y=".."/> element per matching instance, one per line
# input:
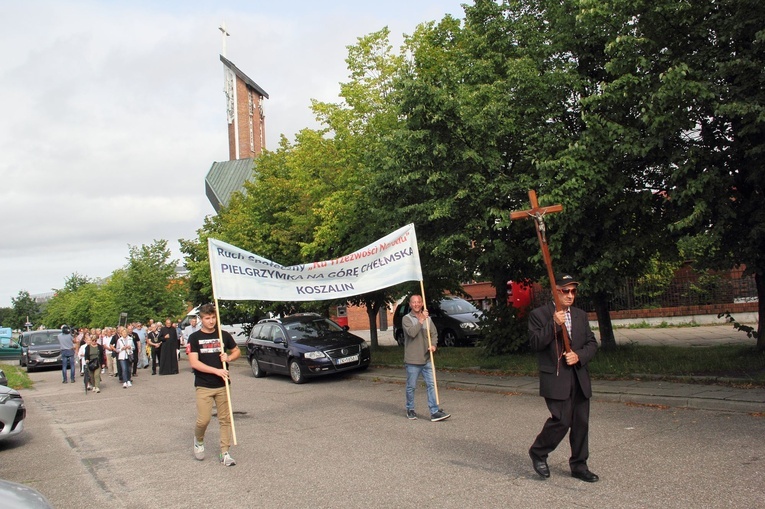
<point x="224" y="34"/>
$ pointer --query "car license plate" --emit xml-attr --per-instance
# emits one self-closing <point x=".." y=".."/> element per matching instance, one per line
<point x="50" y="360"/>
<point x="346" y="360"/>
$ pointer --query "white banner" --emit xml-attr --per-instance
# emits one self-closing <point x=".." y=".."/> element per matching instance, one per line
<point x="240" y="275"/>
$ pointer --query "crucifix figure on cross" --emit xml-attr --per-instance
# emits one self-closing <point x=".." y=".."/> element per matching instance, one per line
<point x="537" y="213"/>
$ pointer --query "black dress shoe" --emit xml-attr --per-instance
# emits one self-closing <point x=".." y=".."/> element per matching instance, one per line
<point x="540" y="466"/>
<point x="585" y="475"/>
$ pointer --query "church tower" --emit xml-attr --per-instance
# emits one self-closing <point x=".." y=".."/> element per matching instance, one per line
<point x="246" y="133"/>
<point x="244" y="112"/>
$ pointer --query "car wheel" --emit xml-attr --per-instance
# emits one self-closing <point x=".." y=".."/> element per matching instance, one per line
<point x="29" y="368"/>
<point x="255" y="367"/>
<point x="296" y="372"/>
<point x="450" y="338"/>
<point x="400" y="337"/>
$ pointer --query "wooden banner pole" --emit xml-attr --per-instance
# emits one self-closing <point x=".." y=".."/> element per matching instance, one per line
<point x="432" y="361"/>
<point x="225" y="366"/>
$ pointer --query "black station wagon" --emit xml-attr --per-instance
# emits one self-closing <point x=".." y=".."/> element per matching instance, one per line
<point x="304" y="345"/>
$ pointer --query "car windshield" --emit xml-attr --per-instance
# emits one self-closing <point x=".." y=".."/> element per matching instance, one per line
<point x="312" y="329"/>
<point x="457" y="307"/>
<point x="43" y="339"/>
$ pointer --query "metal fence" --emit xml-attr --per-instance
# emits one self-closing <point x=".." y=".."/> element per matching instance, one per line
<point x="686" y="288"/>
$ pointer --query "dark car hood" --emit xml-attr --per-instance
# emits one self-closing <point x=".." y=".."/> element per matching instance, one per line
<point x="333" y="340"/>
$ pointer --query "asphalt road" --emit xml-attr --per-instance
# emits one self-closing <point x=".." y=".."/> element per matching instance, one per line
<point x="344" y="442"/>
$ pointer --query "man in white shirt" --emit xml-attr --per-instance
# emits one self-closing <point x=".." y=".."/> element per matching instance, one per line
<point x="189" y="330"/>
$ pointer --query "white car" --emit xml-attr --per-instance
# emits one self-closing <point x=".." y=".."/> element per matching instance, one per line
<point x="18" y="496"/>
<point x="12" y="412"/>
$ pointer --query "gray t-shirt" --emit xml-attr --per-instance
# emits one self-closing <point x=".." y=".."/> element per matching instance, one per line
<point x="66" y="341"/>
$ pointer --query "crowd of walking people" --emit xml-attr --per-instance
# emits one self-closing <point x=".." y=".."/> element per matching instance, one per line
<point x="119" y="352"/>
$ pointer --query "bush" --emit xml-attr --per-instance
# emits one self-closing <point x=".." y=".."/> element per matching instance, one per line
<point x="504" y="332"/>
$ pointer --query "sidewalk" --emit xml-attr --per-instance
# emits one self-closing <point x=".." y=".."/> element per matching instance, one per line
<point x="642" y="392"/>
<point x="703" y="335"/>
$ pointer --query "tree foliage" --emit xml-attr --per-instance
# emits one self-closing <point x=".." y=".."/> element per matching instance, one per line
<point x="24" y="308"/>
<point x="683" y="100"/>
<point x="146" y="287"/>
<point x="644" y="119"/>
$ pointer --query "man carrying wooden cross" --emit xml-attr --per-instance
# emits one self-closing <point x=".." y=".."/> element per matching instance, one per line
<point x="564" y="380"/>
<point x="564" y="342"/>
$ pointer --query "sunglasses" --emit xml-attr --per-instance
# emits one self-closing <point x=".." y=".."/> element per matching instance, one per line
<point x="567" y="291"/>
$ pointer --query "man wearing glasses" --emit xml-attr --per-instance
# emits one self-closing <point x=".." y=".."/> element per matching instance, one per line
<point x="564" y="380"/>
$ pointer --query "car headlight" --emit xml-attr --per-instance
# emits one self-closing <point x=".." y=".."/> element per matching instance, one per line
<point x="364" y="345"/>
<point x="468" y="325"/>
<point x="4" y="398"/>
<point x="318" y="354"/>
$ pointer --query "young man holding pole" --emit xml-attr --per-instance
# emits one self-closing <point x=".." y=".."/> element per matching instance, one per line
<point x="207" y="357"/>
<point x="419" y="332"/>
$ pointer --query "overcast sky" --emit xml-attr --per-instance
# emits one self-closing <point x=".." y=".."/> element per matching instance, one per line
<point x="113" y="112"/>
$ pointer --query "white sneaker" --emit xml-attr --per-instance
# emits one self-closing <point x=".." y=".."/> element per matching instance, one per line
<point x="227" y="460"/>
<point x="124" y="385"/>
<point x="130" y="384"/>
<point x="96" y="390"/>
<point x="199" y="450"/>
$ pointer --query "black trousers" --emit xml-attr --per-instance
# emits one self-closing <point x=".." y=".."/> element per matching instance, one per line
<point x="572" y="414"/>
<point x="154" y="359"/>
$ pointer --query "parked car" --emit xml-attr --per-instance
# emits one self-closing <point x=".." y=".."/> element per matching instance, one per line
<point x="304" y="345"/>
<point x="9" y="349"/>
<point x="3" y="378"/>
<point x="455" y="319"/>
<point x="39" y="349"/>
<point x="19" y="496"/>
<point x="12" y="413"/>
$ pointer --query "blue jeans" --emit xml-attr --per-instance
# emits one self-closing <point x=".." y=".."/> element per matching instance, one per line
<point x="412" y="374"/>
<point x="67" y="358"/>
<point x="125" y="366"/>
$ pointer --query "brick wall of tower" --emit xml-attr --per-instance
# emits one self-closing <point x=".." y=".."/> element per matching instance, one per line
<point x="251" y="137"/>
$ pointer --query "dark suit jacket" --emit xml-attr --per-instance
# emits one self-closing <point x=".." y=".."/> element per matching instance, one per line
<point x="545" y="337"/>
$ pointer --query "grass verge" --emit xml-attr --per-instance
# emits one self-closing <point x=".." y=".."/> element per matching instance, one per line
<point x="17" y="378"/>
<point x="742" y="364"/>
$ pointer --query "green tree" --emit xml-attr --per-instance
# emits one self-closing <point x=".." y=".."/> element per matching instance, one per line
<point x="683" y="101"/>
<point x="151" y="287"/>
<point x="146" y="287"/>
<point x="24" y="308"/>
<point x="72" y="303"/>
<point x="481" y="104"/>
<point x="105" y="304"/>
<point x="6" y="317"/>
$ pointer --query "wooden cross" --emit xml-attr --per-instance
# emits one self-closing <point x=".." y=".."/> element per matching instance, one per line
<point x="537" y="213"/>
